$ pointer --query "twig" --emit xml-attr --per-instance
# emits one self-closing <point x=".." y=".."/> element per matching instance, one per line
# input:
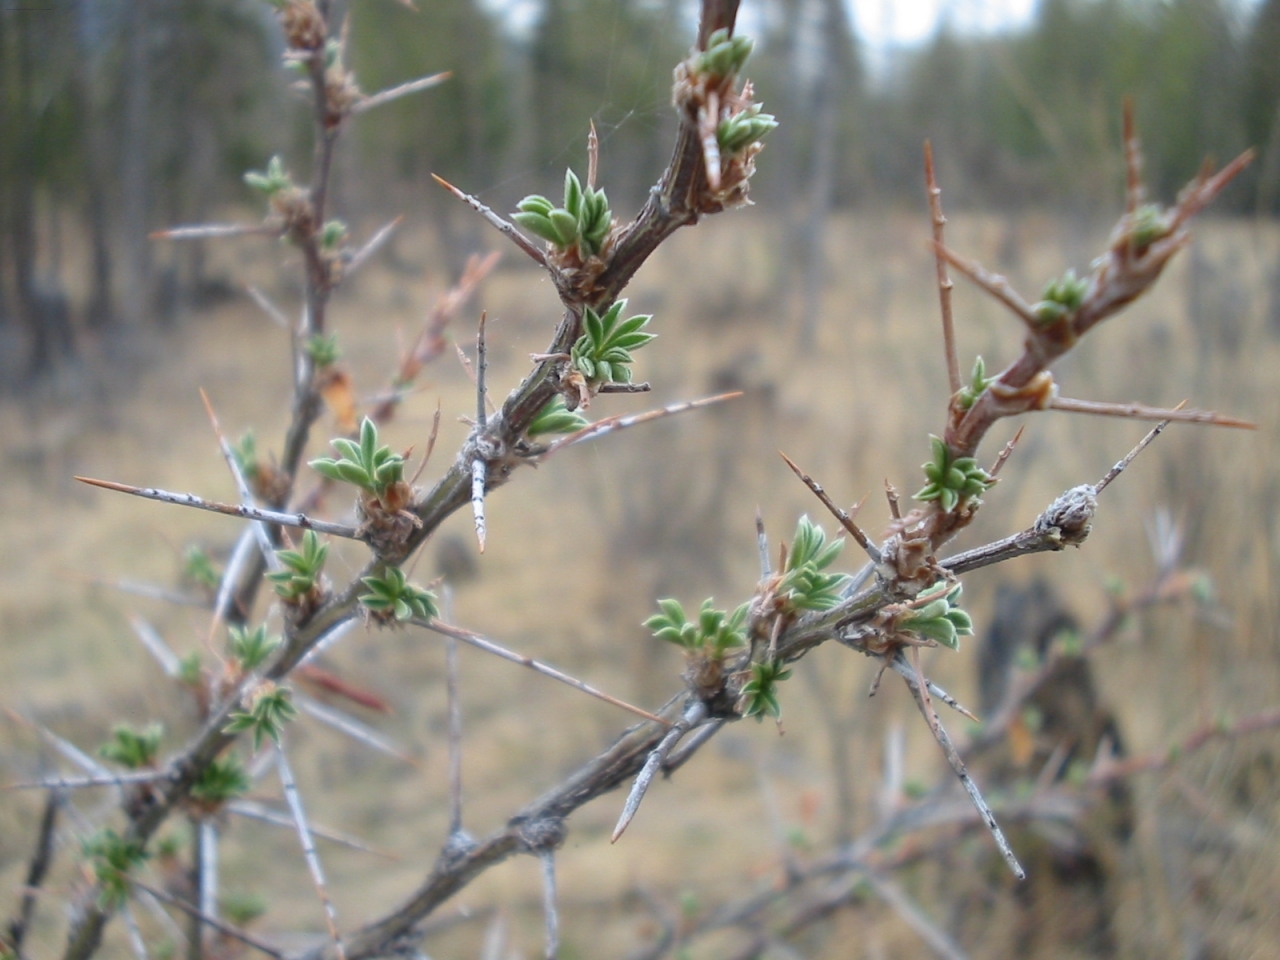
<point x="846" y="521"/>
<point x="1006" y="452"/>
<point x="692" y="716"/>
<point x="920" y="694"/>
<point x="608" y="425"/>
<point x="41" y="857"/>
<point x="209" y="231"/>
<point x="1139" y="411"/>
<point x="208" y="865"/>
<point x="258" y="514"/>
<point x="548" y="858"/>
<point x="353" y="728"/>
<point x="455" y="721"/>
<point x="477" y="498"/>
<point x="899" y="665"/>
<point x="762" y="546"/>
<point x="1122" y="464"/>
<point x="108" y="779"/>
<point x="403" y="90"/>
<point x="156" y="646"/>
<point x="252" y="810"/>
<point x="151" y="591"/>
<point x="506" y="229"/>
<point x="945" y="285"/>
<point x="476" y="640"/>
<point x="372" y="246"/>
<point x="235" y="933"/>
<point x="266" y="306"/>
<point x="926" y="929"/>
<point x="294" y="800"/>
<point x="624" y="388"/>
<point x="993" y="283"/>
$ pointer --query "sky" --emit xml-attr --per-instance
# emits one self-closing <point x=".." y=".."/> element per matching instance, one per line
<point x="881" y="24"/>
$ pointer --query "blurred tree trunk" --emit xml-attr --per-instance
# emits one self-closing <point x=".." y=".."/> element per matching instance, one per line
<point x="834" y="75"/>
<point x="135" y="181"/>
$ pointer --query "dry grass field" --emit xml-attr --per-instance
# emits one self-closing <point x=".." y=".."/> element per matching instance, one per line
<point x="579" y="549"/>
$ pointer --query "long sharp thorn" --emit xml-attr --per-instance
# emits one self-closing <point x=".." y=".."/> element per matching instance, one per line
<point x="155" y="645"/>
<point x="252" y="810"/>
<point x="1128" y="458"/>
<point x="374" y="244"/>
<point x="944" y="282"/>
<point x="294" y="800"/>
<point x="209" y="231"/>
<point x="224" y="928"/>
<point x="920" y="694"/>
<point x="508" y="230"/>
<point x="846" y="521"/>
<point x="993" y="283"/>
<point x="480" y="642"/>
<point x="593" y="156"/>
<point x="692" y="716"/>
<point x="1139" y="411"/>
<point x="257" y="514"/>
<point x="395" y="93"/>
<point x="1007" y="452"/>
<point x="608" y="425"/>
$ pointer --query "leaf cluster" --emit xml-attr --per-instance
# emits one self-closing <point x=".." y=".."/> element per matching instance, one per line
<point x="760" y="693"/>
<point x="941" y="620"/>
<point x="1148" y="224"/>
<point x="603" y="353"/>
<point x="978" y="382"/>
<point x="323" y="349"/>
<point x="223" y="779"/>
<point x="332" y="234"/>
<point x="1061" y="296"/>
<point x="951" y="481"/>
<point x="131" y="748"/>
<point x="300" y="575"/>
<point x="392" y="595"/>
<point x="584" y="220"/>
<point x="272" y="181"/>
<point x="250" y="648"/>
<point x="197" y="566"/>
<point x="556" y="418"/>
<point x="804" y="585"/>
<point x="112" y="857"/>
<point x="368" y="465"/>
<point x="270" y="708"/>
<point x="724" y="55"/>
<point x="713" y="634"/>
<point x="744" y="128"/>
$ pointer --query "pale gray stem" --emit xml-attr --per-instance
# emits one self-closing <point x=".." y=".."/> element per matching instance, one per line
<point x="137" y="945"/>
<point x="253" y="810"/>
<point x="346" y="724"/>
<point x="155" y="645"/>
<point x="208" y="869"/>
<point x="478" y="470"/>
<point x="403" y="90"/>
<point x="294" y="800"/>
<point x="933" y="935"/>
<point x="224" y="928"/>
<point x="548" y="858"/>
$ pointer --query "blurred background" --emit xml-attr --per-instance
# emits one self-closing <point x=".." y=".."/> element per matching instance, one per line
<point x="121" y="117"/>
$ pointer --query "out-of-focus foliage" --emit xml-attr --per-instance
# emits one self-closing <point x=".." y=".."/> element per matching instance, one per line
<point x="131" y="116"/>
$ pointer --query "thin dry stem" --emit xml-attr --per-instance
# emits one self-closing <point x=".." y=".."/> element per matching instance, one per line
<point x="480" y="642"/>
<point x="257" y="514"/>
<point x="403" y="90"/>
<point x="945" y="285"/>
<point x="226" y="929"/>
<point x="846" y="521"/>
<point x="504" y="227"/>
<point x="1140" y="411"/>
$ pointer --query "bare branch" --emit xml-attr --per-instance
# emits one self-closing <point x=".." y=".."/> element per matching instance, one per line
<point x="846" y="521"/>
<point x="694" y="715"/>
<point x="508" y="230"/>
<point x="1139" y="411"/>
<point x="251" y="810"/>
<point x="235" y="933"/>
<point x="294" y="800"/>
<point x="258" y="514"/>
<point x="403" y="90"/>
<point x="488" y="646"/>
<point x="944" y="282"/>
<point x="374" y="244"/>
<point x="38" y="866"/>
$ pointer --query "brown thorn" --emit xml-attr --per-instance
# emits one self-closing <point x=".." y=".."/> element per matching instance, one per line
<point x="944" y="282"/>
<point x="431" y="445"/>
<point x="1128" y="458"/>
<point x="507" y="229"/>
<point x="846" y="521"/>
<point x="1132" y="160"/>
<point x="1139" y="411"/>
<point x="1006" y="452"/>
<point x="891" y="494"/>
<point x="993" y="283"/>
<point x="593" y="156"/>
